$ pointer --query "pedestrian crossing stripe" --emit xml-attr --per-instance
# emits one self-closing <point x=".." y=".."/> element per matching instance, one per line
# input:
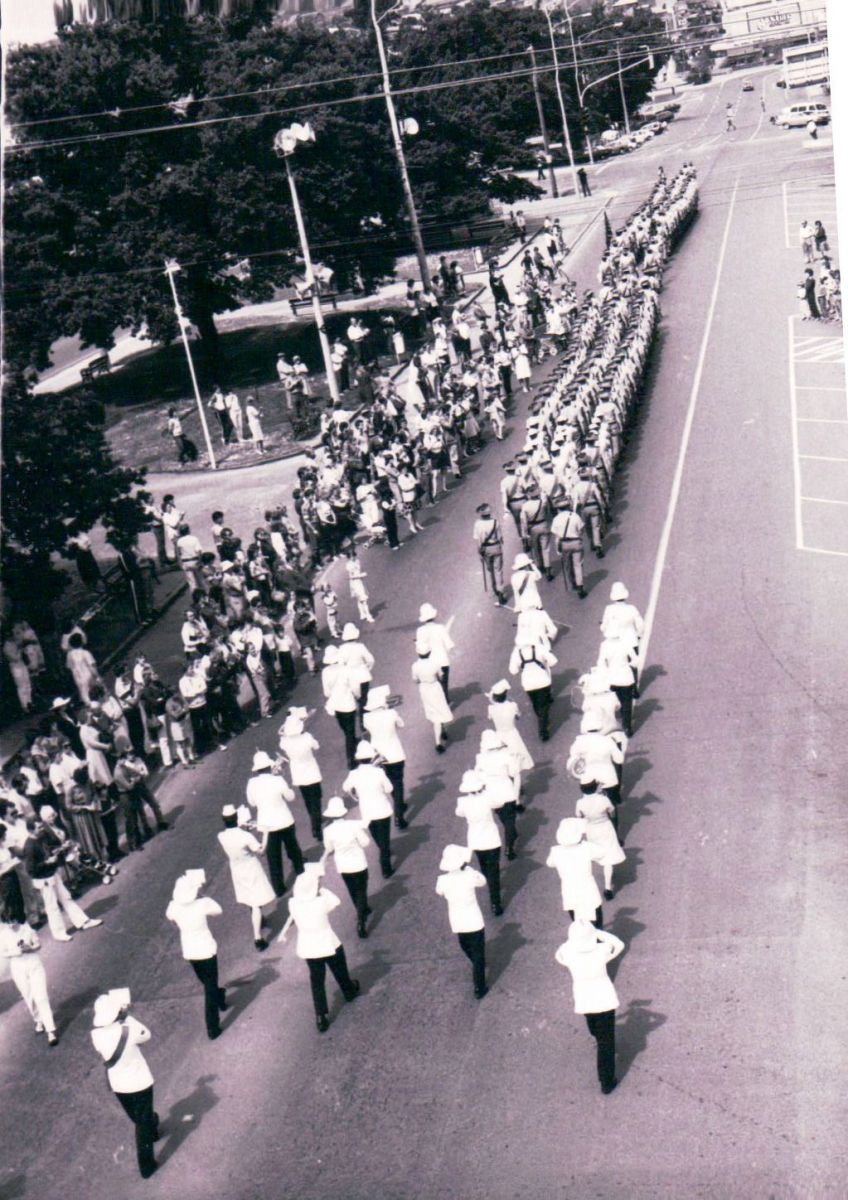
<point x="820" y="349"/>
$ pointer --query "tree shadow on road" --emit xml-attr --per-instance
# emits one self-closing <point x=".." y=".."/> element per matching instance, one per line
<point x="632" y="1031"/>
<point x="185" y="1116"/>
<point x="500" y="950"/>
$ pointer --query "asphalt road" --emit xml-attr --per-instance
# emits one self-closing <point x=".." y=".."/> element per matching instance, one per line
<point x="731" y="1030"/>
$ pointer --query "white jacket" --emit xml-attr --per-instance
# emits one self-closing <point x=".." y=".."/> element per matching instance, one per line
<point x="478" y="811"/>
<point x="459" y="889"/>
<point x="316" y="937"/>
<point x="347" y="839"/>
<point x="372" y="789"/>
<point x="594" y="991"/>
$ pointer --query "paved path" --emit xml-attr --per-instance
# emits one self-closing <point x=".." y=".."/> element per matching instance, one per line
<point x="732" y="901"/>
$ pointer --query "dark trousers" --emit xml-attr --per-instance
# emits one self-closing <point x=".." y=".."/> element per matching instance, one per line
<point x="277" y="838"/>
<point x="505" y="374"/>
<point x="390" y="521"/>
<point x="602" y="1028"/>
<point x="347" y="724"/>
<point x="507" y="814"/>
<point x="206" y="970"/>
<point x="11" y="897"/>
<point x="311" y="793"/>
<point x="395" y="774"/>
<point x="490" y="865"/>
<point x="541" y="699"/>
<point x="363" y="697"/>
<point x="109" y="821"/>
<point x="356" y="883"/>
<point x="136" y="728"/>
<point x="444" y="679"/>
<point x="381" y="832"/>
<point x="597" y="920"/>
<point x="473" y="946"/>
<point x="199" y="718"/>
<point x="625" y="699"/>
<point x="135" y="820"/>
<point x="317" y="972"/>
<point x="145" y="796"/>
<point x="139" y="1108"/>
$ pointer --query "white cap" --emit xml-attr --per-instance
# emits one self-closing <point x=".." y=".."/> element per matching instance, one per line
<point x="490" y="739"/>
<point x="378" y="697"/>
<point x="521" y="562"/>
<point x="454" y="857"/>
<point x="570" y="831"/>
<point x="582" y="936"/>
<point x="350" y="632"/>
<point x="618" y="591"/>
<point x="427" y="613"/>
<point x="262" y="761"/>
<point x="188" y="885"/>
<point x="472" y="781"/>
<point x="335" y="808"/>
<point x="108" y="1006"/>
<point x="498" y="688"/>
<point x="365" y="751"/>
<point x="292" y="726"/>
<point x="331" y="655"/>
<point x="229" y="810"/>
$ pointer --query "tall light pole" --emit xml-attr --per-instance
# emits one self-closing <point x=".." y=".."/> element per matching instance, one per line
<point x="285" y="144"/>
<point x="397" y="138"/>
<point x="172" y="267"/>
<point x="621" y="90"/>
<point x="567" y="12"/>
<point x="566" y="135"/>
<point x="542" y="124"/>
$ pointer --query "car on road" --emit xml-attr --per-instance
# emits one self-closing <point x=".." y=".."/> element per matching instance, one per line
<point x="796" y="116"/>
<point x="747" y="87"/>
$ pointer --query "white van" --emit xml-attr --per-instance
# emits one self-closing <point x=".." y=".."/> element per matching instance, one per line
<point x="795" y="115"/>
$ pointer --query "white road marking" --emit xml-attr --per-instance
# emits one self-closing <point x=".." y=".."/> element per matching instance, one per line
<point x="789" y="244"/>
<point x="807" y="387"/>
<point x="665" y="536"/>
<point x="822" y="458"/>
<point x="820" y="500"/>
<point x="762" y="111"/>
<point x="821" y="550"/>
<point x="821" y="420"/>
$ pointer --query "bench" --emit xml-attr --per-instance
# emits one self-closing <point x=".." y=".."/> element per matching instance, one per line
<point x="297" y="303"/>
<point x="97" y="366"/>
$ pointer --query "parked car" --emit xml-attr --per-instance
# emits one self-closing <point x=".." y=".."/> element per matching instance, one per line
<point x="796" y="116"/>
<point x="747" y="87"/>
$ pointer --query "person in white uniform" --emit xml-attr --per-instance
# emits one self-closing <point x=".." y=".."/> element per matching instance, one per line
<point x="524" y="581"/>
<point x="535" y="625"/>
<point x="348" y="840"/>
<point x="271" y="796"/>
<point x="381" y="725"/>
<point x="298" y="749"/>
<point x="572" y="858"/>
<point x="618" y="660"/>
<point x="477" y="805"/>
<point x="458" y="885"/>
<point x="371" y="788"/>
<point x="250" y="883"/>
<point x="190" y="912"/>
<point x="20" y="946"/>
<point x="317" y="943"/>
<point x="504" y="714"/>
<point x="497" y="766"/>
<point x="117" y="1038"/>
<point x="594" y="757"/>
<point x="359" y="661"/>
<point x="432" y="635"/>
<point x="587" y="954"/>
<point x="532" y="663"/>
<point x="599" y="814"/>
<point x="427" y="674"/>
<point x="341" y="699"/>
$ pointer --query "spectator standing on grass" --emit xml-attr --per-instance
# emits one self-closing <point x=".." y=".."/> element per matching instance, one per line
<point x="218" y="404"/>
<point x="235" y="414"/>
<point x="254" y="421"/>
<point x="186" y="452"/>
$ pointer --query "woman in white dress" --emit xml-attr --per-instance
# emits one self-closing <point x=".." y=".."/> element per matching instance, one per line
<point x="95" y="746"/>
<point x="82" y="665"/>
<point x="521" y="366"/>
<point x="572" y="858"/>
<point x="503" y="714"/>
<point x="250" y="883"/>
<point x="597" y="810"/>
<point x="428" y="676"/>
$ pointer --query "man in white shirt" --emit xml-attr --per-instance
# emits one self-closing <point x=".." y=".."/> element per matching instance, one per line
<point x="458" y="885"/>
<point x="347" y="839"/>
<point x="190" y="912"/>
<point x="270" y="795"/>
<point x="477" y="806"/>
<point x="189" y="551"/>
<point x="586" y="955"/>
<point x="370" y="787"/>
<point x="117" y="1037"/>
<point x="435" y="637"/>
<point x="382" y="724"/>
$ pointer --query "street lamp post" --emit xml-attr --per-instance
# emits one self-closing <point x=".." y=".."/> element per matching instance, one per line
<point x="285" y="144"/>
<point x="172" y="267"/>
<point x="621" y="90"/>
<point x="397" y="138"/>
<point x="579" y="90"/>
<point x="542" y="124"/>
<point x="565" y="132"/>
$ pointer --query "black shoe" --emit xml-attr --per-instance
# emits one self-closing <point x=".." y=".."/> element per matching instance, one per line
<point x="511" y="855"/>
<point x="388" y="874"/>
<point x="361" y="931"/>
<point x="146" y="1172"/>
<point x="222" y="1001"/>
<point x="355" y="989"/>
<point x="520" y="808"/>
<point x="161" y="826"/>
<point x="599" y="552"/>
<point x="481" y="992"/>
<point x="260" y="944"/>
<point x="581" y="592"/>
<point x="368" y="911"/>
<point x="402" y="823"/>
<point x="323" y="1023"/>
<point x="497" y="910"/>
<point x="216" y="1033"/>
<point x="608" y="893"/>
<point x="606" y="1088"/>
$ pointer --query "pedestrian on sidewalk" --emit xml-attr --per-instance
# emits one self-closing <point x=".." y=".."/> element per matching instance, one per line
<point x="270" y="795"/>
<point x="21" y="947"/>
<point x="583" y="180"/>
<point x="317" y="942"/>
<point x="190" y="912"/>
<point x="250" y="883"/>
<point x="117" y="1037"/>
<point x="476" y="806"/>
<point x="458" y="884"/>
<point x="806" y="236"/>
<point x="587" y="954"/>
<point x="808" y="287"/>
<point x="348" y="840"/>
<point x="381" y="725"/>
<point x="371" y="788"/>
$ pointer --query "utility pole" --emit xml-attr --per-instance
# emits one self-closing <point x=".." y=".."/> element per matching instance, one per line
<point x="621" y="90"/>
<point x="171" y="268"/>
<point x="565" y="134"/>
<point x="399" y="154"/>
<point x="542" y="126"/>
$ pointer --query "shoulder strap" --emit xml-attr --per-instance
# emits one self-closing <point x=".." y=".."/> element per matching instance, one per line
<point x="117" y="1053"/>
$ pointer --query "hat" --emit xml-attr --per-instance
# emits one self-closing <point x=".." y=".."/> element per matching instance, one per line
<point x="261" y="761"/>
<point x="618" y="591"/>
<point x="582" y="936"/>
<point x="365" y="751"/>
<point x="226" y="565"/>
<point x="378" y="697"/>
<point x="188" y="885"/>
<point x="472" y="781"/>
<point x="229" y="810"/>
<point x="60" y="702"/>
<point x="292" y="726"/>
<point x="108" y="1006"/>
<point x="350" y="633"/>
<point x="426" y="613"/>
<point x="454" y="857"/>
<point x="570" y="831"/>
<point x="490" y="740"/>
<point x="595" y="683"/>
<point x="335" y="807"/>
<point x="251" y="595"/>
<point x="307" y="883"/>
<point x="331" y="655"/>
<point x="498" y="689"/>
<point x="521" y="562"/>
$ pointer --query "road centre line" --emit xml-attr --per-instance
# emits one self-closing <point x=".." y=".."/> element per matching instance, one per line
<point x="665" y="536"/>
